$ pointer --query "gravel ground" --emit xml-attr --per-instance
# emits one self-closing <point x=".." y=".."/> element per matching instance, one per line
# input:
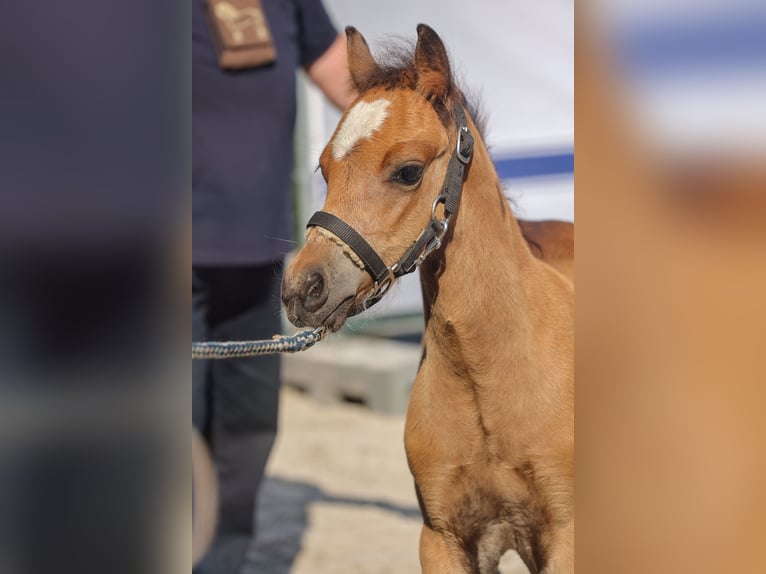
<point x="338" y="498"/>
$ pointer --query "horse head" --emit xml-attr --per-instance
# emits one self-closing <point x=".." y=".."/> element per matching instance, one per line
<point x="385" y="167"/>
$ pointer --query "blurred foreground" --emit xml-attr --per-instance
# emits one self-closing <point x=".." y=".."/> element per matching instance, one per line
<point x="671" y="280"/>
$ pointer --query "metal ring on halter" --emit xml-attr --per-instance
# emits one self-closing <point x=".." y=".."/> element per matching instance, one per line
<point x="380" y="288"/>
<point x="434" y="233"/>
<point x="443" y="225"/>
<point x="319" y="332"/>
<point x="383" y="285"/>
<point x="441" y="198"/>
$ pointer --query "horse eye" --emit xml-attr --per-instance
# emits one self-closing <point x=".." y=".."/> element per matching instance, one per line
<point x="408" y="174"/>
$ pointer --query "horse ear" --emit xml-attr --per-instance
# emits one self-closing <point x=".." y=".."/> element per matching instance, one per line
<point x="361" y="64"/>
<point x="432" y="64"/>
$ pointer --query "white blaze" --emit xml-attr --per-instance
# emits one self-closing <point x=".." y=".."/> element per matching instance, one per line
<point x="361" y="122"/>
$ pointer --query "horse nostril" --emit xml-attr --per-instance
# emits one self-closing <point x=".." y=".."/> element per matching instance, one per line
<point x="314" y="292"/>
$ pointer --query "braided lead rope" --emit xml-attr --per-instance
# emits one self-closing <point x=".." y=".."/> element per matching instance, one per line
<point x="279" y="344"/>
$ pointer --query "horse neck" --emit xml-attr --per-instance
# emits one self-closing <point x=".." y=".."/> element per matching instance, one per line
<point x="474" y="288"/>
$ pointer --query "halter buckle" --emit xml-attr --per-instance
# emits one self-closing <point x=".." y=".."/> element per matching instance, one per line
<point x="464" y="141"/>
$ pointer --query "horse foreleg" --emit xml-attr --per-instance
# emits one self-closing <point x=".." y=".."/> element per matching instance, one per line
<point x="561" y="558"/>
<point x="437" y="557"/>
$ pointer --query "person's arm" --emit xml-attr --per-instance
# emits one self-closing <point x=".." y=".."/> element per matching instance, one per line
<point x="330" y="73"/>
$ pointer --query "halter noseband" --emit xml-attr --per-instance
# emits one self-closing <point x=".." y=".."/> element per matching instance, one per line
<point x="429" y="240"/>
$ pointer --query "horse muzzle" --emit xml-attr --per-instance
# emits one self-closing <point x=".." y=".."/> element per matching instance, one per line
<point x="321" y="287"/>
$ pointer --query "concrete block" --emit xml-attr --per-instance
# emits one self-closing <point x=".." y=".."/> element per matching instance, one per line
<point x="377" y="372"/>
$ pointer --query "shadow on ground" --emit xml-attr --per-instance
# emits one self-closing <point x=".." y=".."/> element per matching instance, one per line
<point x="283" y="519"/>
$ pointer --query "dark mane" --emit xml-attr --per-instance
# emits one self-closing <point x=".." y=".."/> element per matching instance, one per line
<point x="396" y="70"/>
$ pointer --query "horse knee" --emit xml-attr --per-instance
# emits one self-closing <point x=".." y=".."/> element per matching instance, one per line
<point x="438" y="557"/>
<point x="561" y="560"/>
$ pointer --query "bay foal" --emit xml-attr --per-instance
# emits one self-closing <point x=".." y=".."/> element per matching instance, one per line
<point x="490" y="426"/>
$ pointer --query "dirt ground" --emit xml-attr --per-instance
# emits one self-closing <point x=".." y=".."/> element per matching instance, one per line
<point x="338" y="497"/>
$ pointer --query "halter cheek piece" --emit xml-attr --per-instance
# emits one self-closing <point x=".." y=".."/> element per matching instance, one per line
<point x="430" y="238"/>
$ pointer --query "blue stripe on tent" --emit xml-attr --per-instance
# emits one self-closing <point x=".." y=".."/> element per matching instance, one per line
<point x="535" y="166"/>
<point x="669" y="47"/>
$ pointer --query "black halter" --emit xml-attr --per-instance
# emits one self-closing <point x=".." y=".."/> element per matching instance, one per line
<point x="430" y="238"/>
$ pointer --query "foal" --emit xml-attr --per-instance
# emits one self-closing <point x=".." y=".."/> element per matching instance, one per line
<point x="490" y="425"/>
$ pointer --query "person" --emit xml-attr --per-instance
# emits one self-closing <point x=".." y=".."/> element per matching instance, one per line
<point x="242" y="159"/>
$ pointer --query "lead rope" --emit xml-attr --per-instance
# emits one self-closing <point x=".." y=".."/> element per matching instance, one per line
<point x="278" y="344"/>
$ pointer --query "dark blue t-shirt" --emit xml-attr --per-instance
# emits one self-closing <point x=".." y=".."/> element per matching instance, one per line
<point x="242" y="137"/>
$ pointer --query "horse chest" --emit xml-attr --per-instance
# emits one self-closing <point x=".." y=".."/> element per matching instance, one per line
<point x="485" y="512"/>
<point x="448" y="424"/>
<point x="468" y="485"/>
